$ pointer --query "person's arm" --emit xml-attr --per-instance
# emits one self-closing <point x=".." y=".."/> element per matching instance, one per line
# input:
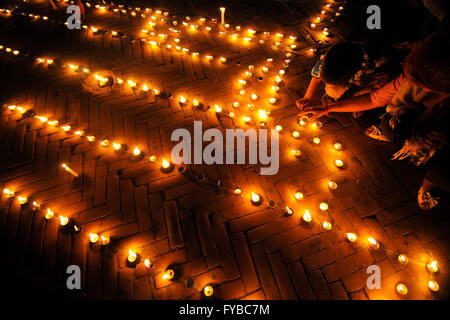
<point x="353" y="104"/>
<point x="313" y="84"/>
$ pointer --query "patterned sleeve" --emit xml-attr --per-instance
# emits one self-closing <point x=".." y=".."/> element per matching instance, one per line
<point x="382" y="96"/>
<point x="315" y="72"/>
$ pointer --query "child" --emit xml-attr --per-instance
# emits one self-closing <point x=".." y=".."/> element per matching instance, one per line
<point x="346" y="69"/>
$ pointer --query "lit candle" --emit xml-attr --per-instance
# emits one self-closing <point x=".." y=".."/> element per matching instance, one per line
<point x="169" y="274"/>
<point x="166" y="166"/>
<point x="152" y="158"/>
<point x="8" y="193"/>
<point x="104" y="240"/>
<point x="316" y="140"/>
<point x="272" y="100"/>
<point x="254" y="96"/>
<point x="351" y="237"/>
<point x="132" y="256"/>
<point x="298" y="195"/>
<point x="117" y="146"/>
<point x="278" y="128"/>
<point x="237" y="191"/>
<point x="35" y="206"/>
<point x="373" y="243"/>
<point x="148" y="263"/>
<point x="339" y="163"/>
<point x="307" y="216"/>
<point x="295" y="134"/>
<point x="218" y="108"/>
<point x="68" y="169"/>
<point x="105" y="143"/>
<point x="247" y="119"/>
<point x="289" y="211"/>
<point x="208" y="291"/>
<point x="296" y="152"/>
<point x="332" y="185"/>
<point x="49" y="214"/>
<point x="337" y="146"/>
<point x="223" y="59"/>
<point x="403" y="259"/>
<point x="222" y="15"/>
<point x="90" y="138"/>
<point x="256" y="199"/>
<point x="136" y="151"/>
<point x="327" y="225"/>
<point x="265" y="69"/>
<point x="317" y="124"/>
<point x="402" y="289"/>
<point x="432" y="266"/>
<point x="236" y="104"/>
<point x="93" y="237"/>
<point x="22" y="200"/>
<point x="63" y="221"/>
<point x="433" y="285"/>
<point x="66" y="128"/>
<point x="323" y="206"/>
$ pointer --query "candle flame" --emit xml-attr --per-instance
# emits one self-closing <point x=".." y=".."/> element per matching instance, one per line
<point x="93" y="237"/>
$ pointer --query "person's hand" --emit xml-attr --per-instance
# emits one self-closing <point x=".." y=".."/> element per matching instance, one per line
<point x="313" y="113"/>
<point x="302" y="103"/>
<point x="436" y="140"/>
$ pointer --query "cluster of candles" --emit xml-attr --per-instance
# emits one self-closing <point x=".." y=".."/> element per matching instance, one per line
<point x="137" y="153"/>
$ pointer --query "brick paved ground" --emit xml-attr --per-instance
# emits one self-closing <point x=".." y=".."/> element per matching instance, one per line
<point x="203" y="232"/>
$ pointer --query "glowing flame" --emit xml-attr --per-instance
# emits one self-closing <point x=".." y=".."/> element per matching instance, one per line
<point x="307" y="216"/>
<point x="117" y="146"/>
<point x="351" y="237"/>
<point x="295" y="134"/>
<point x="339" y="163"/>
<point x="63" y="220"/>
<point x="182" y="99"/>
<point x="49" y="214"/>
<point x="237" y="191"/>
<point x="332" y="185"/>
<point x="403" y="259"/>
<point x="22" y="200"/>
<point x="165" y="164"/>
<point x="136" y="151"/>
<point x="373" y="243"/>
<point x="255" y="197"/>
<point x="169" y="274"/>
<point x="337" y="146"/>
<point x="402" y="289"/>
<point x="327" y="225"/>
<point x="298" y="195"/>
<point x="208" y="291"/>
<point x="316" y="140"/>
<point x="148" y="263"/>
<point x="132" y="256"/>
<point x="104" y="240"/>
<point x="433" y="266"/>
<point x="289" y="210"/>
<point x="433" y="285"/>
<point x="93" y="237"/>
<point x="323" y="206"/>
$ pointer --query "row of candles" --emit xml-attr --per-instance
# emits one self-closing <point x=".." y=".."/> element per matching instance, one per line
<point x="257" y="199"/>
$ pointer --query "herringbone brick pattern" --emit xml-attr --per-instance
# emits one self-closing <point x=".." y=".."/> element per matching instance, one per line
<point x="178" y="220"/>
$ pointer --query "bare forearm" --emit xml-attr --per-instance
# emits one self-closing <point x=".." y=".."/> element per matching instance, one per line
<point x="353" y="104"/>
<point x="312" y="87"/>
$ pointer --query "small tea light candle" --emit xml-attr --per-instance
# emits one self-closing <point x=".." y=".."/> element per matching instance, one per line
<point x="22" y="200"/>
<point x="288" y="211"/>
<point x="339" y="163"/>
<point x="93" y="237"/>
<point x="217" y="108"/>
<point x="166" y="166"/>
<point x="104" y="240"/>
<point x="246" y="119"/>
<point x="256" y="199"/>
<point x="278" y="128"/>
<point x="351" y="237"/>
<point x="49" y="214"/>
<point x="66" y="128"/>
<point x="117" y="146"/>
<point x="307" y="216"/>
<point x="237" y="191"/>
<point x="35" y="206"/>
<point x="298" y="195"/>
<point x="242" y="92"/>
<point x="295" y="134"/>
<point x="236" y="104"/>
<point x="296" y="152"/>
<point x="332" y="185"/>
<point x="132" y="256"/>
<point x="63" y="221"/>
<point x="432" y="266"/>
<point x="323" y="206"/>
<point x="265" y="69"/>
<point x="373" y="243"/>
<point x="327" y="225"/>
<point x="403" y="259"/>
<point x="169" y="274"/>
<point x="182" y="100"/>
<point x="402" y="289"/>
<point x="317" y="124"/>
<point x="68" y="169"/>
<point x="148" y="263"/>
<point x="433" y="285"/>
<point x="254" y="96"/>
<point x="316" y="140"/>
<point x="273" y="100"/>
<point x="337" y="146"/>
<point x="223" y="59"/>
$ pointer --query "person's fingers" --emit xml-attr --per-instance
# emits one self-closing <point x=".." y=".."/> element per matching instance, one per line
<point x="429" y="142"/>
